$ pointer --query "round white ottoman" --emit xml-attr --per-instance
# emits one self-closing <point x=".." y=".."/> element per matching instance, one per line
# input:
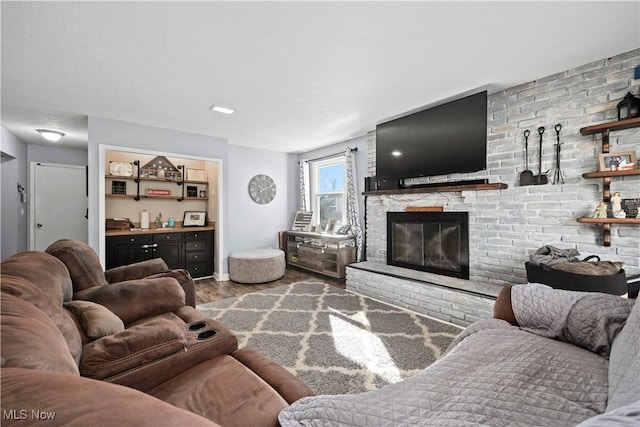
<point x="256" y="265"/>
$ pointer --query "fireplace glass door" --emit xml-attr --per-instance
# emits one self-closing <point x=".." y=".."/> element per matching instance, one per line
<point x="434" y="242"/>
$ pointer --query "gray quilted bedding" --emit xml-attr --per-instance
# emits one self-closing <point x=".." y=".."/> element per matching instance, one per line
<point x="494" y="374"/>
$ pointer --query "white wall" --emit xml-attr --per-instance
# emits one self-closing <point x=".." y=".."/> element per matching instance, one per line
<point x="14" y="213"/>
<point x="56" y="155"/>
<point x="252" y="225"/>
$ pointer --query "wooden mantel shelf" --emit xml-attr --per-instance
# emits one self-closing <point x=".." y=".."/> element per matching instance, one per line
<point x="440" y="189"/>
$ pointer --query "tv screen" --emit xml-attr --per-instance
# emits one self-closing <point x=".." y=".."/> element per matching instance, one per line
<point x="448" y="138"/>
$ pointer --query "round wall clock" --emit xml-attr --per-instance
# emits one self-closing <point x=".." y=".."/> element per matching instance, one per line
<point x="262" y="189"/>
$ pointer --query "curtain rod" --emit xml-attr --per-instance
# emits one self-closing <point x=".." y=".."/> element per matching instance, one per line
<point x="328" y="156"/>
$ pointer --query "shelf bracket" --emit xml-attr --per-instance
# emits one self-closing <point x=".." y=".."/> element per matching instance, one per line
<point x="181" y="182"/>
<point x="605" y="141"/>
<point x="606" y="234"/>
<point x="606" y="189"/>
<point x="137" y="180"/>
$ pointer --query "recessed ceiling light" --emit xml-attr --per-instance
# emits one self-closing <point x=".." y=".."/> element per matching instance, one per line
<point x="220" y="109"/>
<point x="50" y="135"/>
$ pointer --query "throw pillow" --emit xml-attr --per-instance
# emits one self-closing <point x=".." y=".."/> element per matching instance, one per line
<point x="97" y="320"/>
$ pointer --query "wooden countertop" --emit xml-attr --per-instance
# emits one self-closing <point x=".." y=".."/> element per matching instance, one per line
<point x="177" y="229"/>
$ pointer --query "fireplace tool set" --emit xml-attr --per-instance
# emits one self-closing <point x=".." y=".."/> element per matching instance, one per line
<point x="526" y="176"/>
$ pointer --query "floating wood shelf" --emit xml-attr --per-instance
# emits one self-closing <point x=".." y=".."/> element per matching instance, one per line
<point x="610" y="126"/>
<point x="606" y="225"/>
<point x="133" y="178"/>
<point x="440" y="189"/>
<point x="606" y="174"/>
<point x="589" y="220"/>
<point x="151" y="196"/>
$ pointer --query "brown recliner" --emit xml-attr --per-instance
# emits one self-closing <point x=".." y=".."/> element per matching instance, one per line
<point x="86" y="271"/>
<point x="169" y="353"/>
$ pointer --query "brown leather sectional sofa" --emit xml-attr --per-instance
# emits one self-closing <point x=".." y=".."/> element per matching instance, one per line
<point x="81" y="346"/>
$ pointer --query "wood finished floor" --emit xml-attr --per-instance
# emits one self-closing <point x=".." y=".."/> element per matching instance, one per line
<point x="208" y="290"/>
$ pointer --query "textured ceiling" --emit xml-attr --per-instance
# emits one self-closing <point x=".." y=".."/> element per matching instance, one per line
<point x="300" y="75"/>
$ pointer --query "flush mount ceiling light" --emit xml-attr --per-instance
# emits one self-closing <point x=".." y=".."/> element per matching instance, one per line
<point x="220" y="109"/>
<point x="396" y="153"/>
<point x="50" y="135"/>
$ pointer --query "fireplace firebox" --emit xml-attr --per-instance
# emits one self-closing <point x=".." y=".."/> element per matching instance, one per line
<point x="437" y="242"/>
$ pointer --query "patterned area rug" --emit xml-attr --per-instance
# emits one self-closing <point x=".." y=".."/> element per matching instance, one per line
<point x="335" y="341"/>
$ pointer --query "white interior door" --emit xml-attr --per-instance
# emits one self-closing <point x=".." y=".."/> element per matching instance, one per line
<point x="59" y="204"/>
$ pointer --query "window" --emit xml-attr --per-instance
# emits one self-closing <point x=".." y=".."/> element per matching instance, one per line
<point x="328" y="192"/>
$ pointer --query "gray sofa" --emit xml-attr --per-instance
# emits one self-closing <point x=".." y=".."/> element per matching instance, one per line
<point x="548" y="358"/>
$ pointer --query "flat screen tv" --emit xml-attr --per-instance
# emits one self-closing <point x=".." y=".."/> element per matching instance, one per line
<point x="448" y="138"/>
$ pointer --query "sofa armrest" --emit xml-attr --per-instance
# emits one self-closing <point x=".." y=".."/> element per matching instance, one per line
<point x="502" y="308"/>
<point x="205" y="339"/>
<point x="138" y="270"/>
<point x="284" y="382"/>
<point x="137" y="299"/>
<point x="78" y="401"/>
<point x="133" y="347"/>
<point x="186" y="281"/>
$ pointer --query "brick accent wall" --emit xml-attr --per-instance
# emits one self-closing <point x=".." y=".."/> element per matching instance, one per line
<point x="506" y="226"/>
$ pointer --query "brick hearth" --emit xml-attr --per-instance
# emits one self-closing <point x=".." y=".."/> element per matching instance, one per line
<point x="457" y="301"/>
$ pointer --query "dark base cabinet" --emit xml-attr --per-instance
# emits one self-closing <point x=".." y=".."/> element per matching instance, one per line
<point x="192" y="250"/>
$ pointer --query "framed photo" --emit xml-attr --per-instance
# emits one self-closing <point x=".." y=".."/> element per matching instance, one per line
<point x="630" y="207"/>
<point x="195" y="174"/>
<point x="344" y="229"/>
<point x="192" y="191"/>
<point x="173" y="175"/>
<point x="625" y="160"/>
<point x="119" y="187"/>
<point x="194" y="219"/>
<point x="330" y="226"/>
<point x="121" y="168"/>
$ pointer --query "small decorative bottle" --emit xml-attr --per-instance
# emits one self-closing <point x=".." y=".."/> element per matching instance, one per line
<point x="171" y="222"/>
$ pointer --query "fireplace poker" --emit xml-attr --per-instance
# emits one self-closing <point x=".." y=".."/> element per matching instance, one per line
<point x="558" y="178"/>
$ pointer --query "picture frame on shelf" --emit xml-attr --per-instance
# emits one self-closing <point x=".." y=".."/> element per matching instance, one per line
<point x="120" y="168"/>
<point x="173" y="175"/>
<point x="194" y="219"/>
<point x="344" y="229"/>
<point x="330" y="226"/>
<point x="119" y="187"/>
<point x="192" y="191"/>
<point x="624" y="160"/>
<point x="631" y="207"/>
<point x="195" y="174"/>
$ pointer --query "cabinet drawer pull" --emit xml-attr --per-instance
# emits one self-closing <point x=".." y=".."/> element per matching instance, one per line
<point x="155" y="245"/>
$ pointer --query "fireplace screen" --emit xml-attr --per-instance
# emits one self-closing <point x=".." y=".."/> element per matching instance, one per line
<point x="434" y="242"/>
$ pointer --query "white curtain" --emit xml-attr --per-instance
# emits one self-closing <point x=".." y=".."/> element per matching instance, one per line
<point x="304" y="185"/>
<point x="353" y="211"/>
